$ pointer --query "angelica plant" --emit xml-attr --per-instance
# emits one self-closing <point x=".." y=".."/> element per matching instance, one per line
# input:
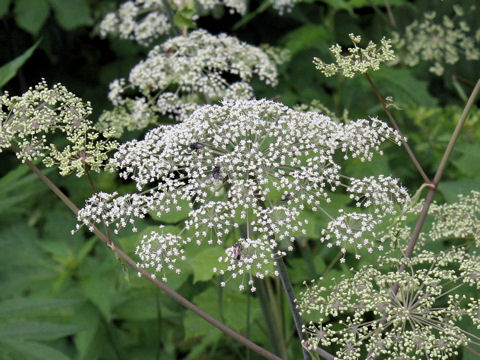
<point x="252" y="163"/>
<point x="183" y="73"/>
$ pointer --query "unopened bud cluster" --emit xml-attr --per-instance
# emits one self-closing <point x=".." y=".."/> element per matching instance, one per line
<point x="357" y="59"/>
<point x="30" y="122"/>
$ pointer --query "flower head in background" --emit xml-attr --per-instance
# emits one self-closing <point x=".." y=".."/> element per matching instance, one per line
<point x="245" y="172"/>
<point x="29" y="122"/>
<point x="457" y="220"/>
<point x="183" y="73"/>
<point x="425" y="318"/>
<point x="140" y="20"/>
<point x="439" y="43"/>
<point x="144" y="21"/>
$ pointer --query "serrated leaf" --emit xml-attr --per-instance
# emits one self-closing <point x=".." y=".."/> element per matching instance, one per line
<point x="184" y="18"/>
<point x="204" y="262"/>
<point x="30" y="15"/>
<point x="72" y="13"/>
<point x="34" y="350"/>
<point x="9" y="70"/>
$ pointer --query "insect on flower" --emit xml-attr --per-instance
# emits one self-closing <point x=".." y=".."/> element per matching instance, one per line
<point x="216" y="172"/>
<point x="237" y="251"/>
<point x="196" y="146"/>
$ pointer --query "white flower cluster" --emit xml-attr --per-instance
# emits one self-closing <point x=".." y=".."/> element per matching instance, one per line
<point x="139" y="20"/>
<point x="145" y="20"/>
<point x="423" y="319"/>
<point x="439" y="43"/>
<point x="183" y="73"/>
<point x="160" y="250"/>
<point x="251" y="166"/>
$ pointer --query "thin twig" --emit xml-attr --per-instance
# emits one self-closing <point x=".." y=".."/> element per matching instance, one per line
<point x="390" y="14"/>
<point x="395" y="125"/>
<point x="438" y="175"/>
<point x="176" y="296"/>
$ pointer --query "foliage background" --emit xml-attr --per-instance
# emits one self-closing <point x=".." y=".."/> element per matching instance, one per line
<point x="67" y="297"/>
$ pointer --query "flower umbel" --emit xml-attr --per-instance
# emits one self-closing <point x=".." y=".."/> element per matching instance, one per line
<point x="439" y="43"/>
<point x="139" y="20"/>
<point x="422" y="320"/>
<point x="244" y="172"/>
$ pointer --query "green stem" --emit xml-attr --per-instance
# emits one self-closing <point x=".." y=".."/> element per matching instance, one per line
<point x="395" y="125"/>
<point x="438" y="175"/>
<point x="290" y="293"/>
<point x="433" y="188"/>
<point x="273" y="329"/>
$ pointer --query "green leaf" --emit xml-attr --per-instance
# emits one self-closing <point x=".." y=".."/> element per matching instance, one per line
<point x="11" y="201"/>
<point x="140" y="306"/>
<point x="34" y="350"/>
<point x="9" y="70"/>
<point x="299" y="270"/>
<point x="234" y="311"/>
<point x="72" y="13"/>
<point x="183" y="18"/>
<point x="403" y="86"/>
<point x="469" y="162"/>
<point x="31" y="330"/>
<point x="451" y="189"/>
<point x="306" y="37"/>
<point x="35" y="306"/>
<point x="88" y="342"/>
<point x="4" y="5"/>
<point x="100" y="289"/>
<point x="30" y="15"/>
<point x="203" y="263"/>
